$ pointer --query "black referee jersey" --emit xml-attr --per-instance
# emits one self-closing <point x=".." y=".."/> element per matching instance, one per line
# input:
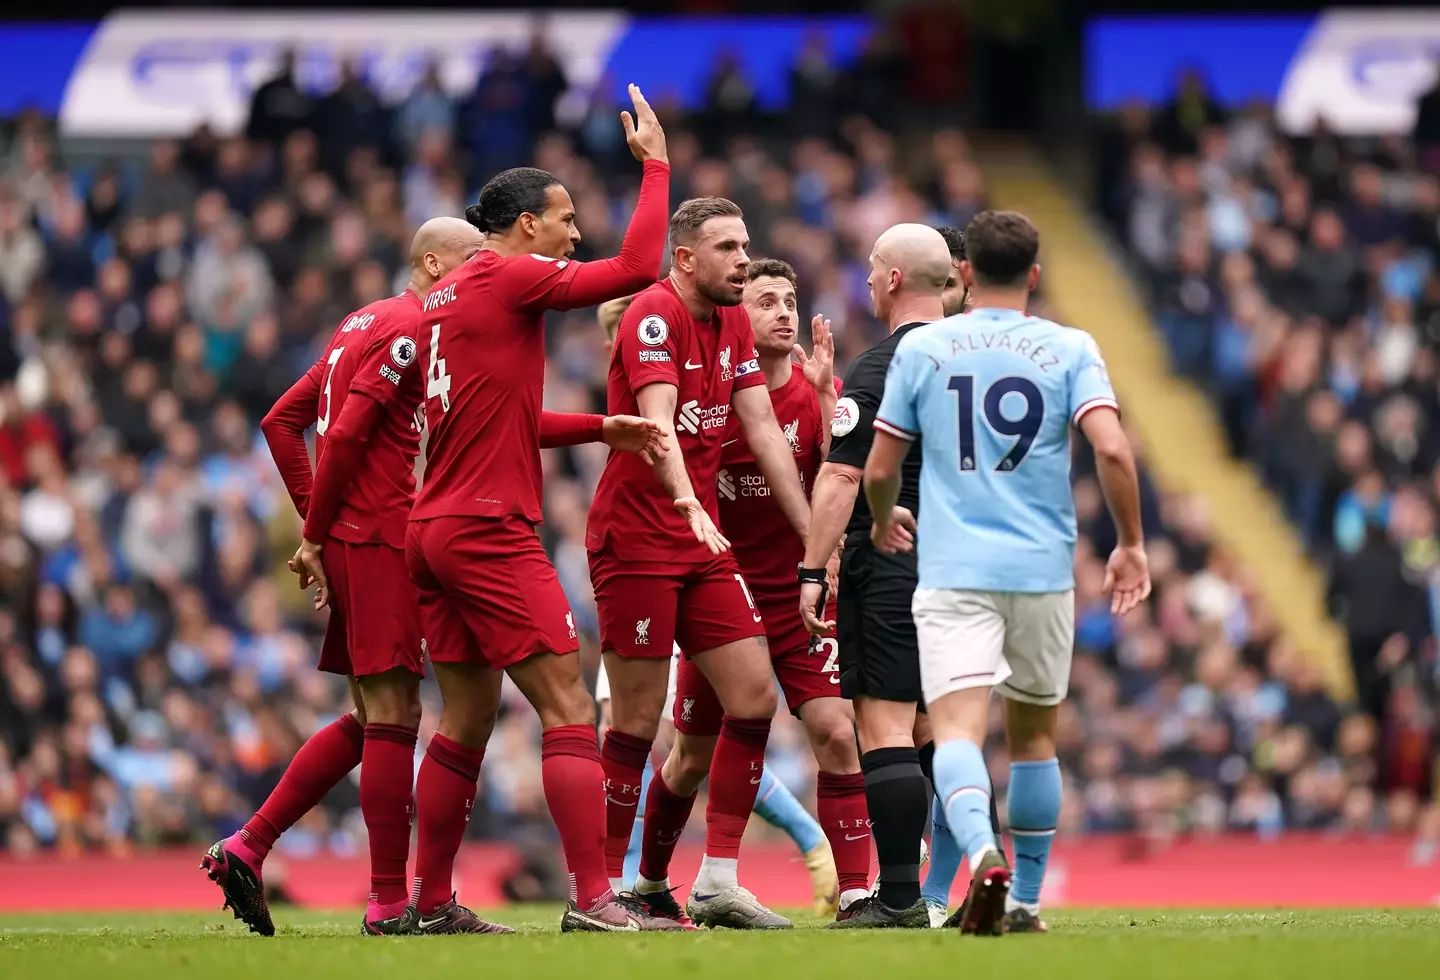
<point x="879" y="655"/>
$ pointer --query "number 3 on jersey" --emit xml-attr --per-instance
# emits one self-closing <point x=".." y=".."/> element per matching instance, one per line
<point x="437" y="378"/>
<point x="323" y="422"/>
<point x="1023" y="428"/>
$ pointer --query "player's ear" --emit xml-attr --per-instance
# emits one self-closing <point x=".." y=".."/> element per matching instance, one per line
<point x="684" y="258"/>
<point x="967" y="274"/>
<point x="1032" y="281"/>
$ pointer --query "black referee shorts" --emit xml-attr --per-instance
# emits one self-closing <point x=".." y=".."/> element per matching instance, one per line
<point x="879" y="655"/>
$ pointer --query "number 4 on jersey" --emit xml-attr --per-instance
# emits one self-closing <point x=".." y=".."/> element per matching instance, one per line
<point x="437" y="378"/>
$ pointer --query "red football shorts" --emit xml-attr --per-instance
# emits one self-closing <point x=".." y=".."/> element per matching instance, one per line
<point x="647" y="607"/>
<point x="374" y="625"/>
<point x="803" y="676"/>
<point x="488" y="592"/>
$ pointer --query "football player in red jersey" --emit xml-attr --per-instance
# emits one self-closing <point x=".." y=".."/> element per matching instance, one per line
<point x="355" y="510"/>
<point x="490" y="601"/>
<point x="769" y="551"/>
<point x="364" y="400"/>
<point x="662" y="571"/>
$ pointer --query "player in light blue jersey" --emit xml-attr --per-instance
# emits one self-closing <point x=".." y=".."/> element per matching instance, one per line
<point x="993" y="393"/>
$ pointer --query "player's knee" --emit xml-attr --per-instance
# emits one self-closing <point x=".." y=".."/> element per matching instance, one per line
<point x="833" y="739"/>
<point x="754" y="700"/>
<point x="1030" y="731"/>
<point x="391" y="699"/>
<point x="570" y="704"/>
<point x="688" y="764"/>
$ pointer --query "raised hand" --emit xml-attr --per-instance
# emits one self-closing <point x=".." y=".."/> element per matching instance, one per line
<point x="819" y="366"/>
<point x="705" y="530"/>
<point x="643" y="133"/>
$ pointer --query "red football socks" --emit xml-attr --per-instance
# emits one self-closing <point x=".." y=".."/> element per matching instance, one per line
<point x="444" y="794"/>
<point x="666" y="815"/>
<point x="387" y="801"/>
<point x="575" y="792"/>
<point x="840" y="807"/>
<point x="735" y="775"/>
<point x="324" y="760"/>
<point x="623" y="759"/>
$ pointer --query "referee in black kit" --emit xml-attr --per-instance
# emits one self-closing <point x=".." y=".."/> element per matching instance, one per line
<point x="879" y="657"/>
<point x="913" y="281"/>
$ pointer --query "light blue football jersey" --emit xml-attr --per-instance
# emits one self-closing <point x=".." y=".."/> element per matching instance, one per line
<point x="994" y="393"/>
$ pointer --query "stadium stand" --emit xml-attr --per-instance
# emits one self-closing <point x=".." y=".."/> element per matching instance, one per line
<point x="156" y="664"/>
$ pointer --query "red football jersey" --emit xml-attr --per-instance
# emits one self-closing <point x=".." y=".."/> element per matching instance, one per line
<point x="658" y="341"/>
<point x="373" y="352"/>
<point x="764" y="542"/>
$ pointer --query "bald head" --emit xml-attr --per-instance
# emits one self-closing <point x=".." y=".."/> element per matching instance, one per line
<point x="440" y="246"/>
<point x="909" y="267"/>
<point x="920" y="254"/>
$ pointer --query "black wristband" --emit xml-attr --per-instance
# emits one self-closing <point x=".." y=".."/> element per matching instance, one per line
<point x="811" y="575"/>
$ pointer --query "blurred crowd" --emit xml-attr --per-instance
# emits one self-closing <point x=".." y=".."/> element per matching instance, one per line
<point x="157" y="663"/>
<point x="1297" y="280"/>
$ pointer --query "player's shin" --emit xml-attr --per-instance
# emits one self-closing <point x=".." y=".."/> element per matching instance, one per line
<point x="844" y="816"/>
<point x="1033" y="806"/>
<point x="898" y="799"/>
<point x="666" y="815"/>
<point x="574" y="790"/>
<point x="963" y="785"/>
<point x="387" y="802"/>
<point x="444" y="793"/>
<point x="324" y="760"/>
<point x="735" y="775"/>
<point x="623" y="760"/>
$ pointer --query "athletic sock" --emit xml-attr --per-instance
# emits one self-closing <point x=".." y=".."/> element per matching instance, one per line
<point x="735" y="774"/>
<point x="623" y="761"/>
<point x="1033" y="805"/>
<point x="845" y="819"/>
<point x="444" y="794"/>
<point x="325" y="759"/>
<point x="897" y="798"/>
<point x="387" y="802"/>
<point x="963" y="784"/>
<point x="637" y="830"/>
<point x="574" y="786"/>
<point x="945" y="859"/>
<point x="666" y="815"/>
<point x="777" y="806"/>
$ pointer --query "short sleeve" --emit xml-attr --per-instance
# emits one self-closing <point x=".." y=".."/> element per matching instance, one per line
<point x="648" y="343"/>
<point x="897" y="414"/>
<point x="852" y="427"/>
<point x="747" y="364"/>
<point x="388" y="357"/>
<point x="1090" y="382"/>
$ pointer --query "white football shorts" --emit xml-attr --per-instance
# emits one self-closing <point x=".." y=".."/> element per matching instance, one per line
<point x="1021" y="644"/>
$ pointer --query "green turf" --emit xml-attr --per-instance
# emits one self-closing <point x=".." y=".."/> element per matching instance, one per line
<point x="318" y="945"/>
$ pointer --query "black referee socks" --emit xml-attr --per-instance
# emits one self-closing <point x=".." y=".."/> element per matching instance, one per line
<point x="899" y="802"/>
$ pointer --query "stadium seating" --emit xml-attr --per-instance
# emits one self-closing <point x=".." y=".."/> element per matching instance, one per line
<point x="156" y="663"/>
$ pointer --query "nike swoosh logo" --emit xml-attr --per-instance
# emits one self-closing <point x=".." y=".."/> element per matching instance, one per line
<point x="630" y="924"/>
<point x="756" y="616"/>
<point x="756" y="780"/>
<point x="861" y="837"/>
<point x="427" y="923"/>
<point x="611" y="799"/>
<point x="729" y="442"/>
<point x="692" y="367"/>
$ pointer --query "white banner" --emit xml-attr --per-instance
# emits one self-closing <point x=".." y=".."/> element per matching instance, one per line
<point x="1361" y="71"/>
<point x="156" y="73"/>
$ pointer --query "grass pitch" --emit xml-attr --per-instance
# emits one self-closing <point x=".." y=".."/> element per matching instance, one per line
<point x="309" y="945"/>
